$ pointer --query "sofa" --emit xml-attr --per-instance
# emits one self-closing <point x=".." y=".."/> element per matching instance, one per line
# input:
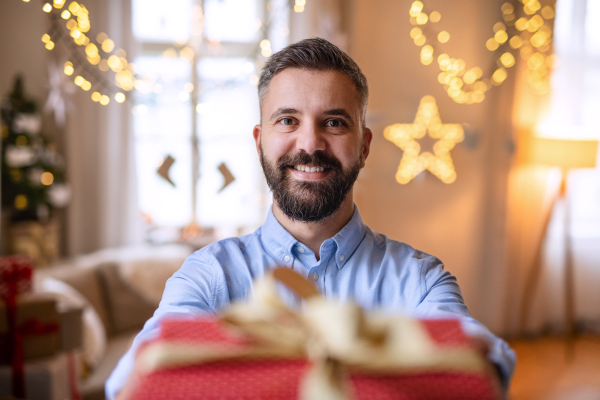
<point x="119" y="290"/>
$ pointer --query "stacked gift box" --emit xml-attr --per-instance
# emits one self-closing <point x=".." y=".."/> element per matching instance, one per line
<point x="36" y="337"/>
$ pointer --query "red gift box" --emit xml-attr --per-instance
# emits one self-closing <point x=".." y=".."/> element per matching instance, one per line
<point x="282" y="378"/>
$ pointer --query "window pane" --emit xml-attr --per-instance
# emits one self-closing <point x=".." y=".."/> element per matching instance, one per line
<point x="228" y="102"/>
<point x="227" y="114"/>
<point x="592" y="27"/>
<point x="166" y="205"/>
<point x="584" y="194"/>
<point x="231" y="20"/>
<point x="161" y="21"/>
<point x="242" y="203"/>
<point x="162" y="103"/>
<point x="591" y="98"/>
<point x="162" y="126"/>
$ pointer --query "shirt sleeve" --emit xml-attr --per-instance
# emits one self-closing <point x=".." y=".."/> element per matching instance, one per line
<point x="441" y="297"/>
<point x="188" y="293"/>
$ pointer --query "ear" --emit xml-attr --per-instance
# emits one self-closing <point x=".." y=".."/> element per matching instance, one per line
<point x="256" y="133"/>
<point x="367" y="137"/>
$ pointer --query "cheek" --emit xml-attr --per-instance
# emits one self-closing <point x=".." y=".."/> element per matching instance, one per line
<point x="350" y="152"/>
<point x="276" y="146"/>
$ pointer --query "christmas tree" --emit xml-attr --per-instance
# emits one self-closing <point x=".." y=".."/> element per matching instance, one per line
<point x="33" y="172"/>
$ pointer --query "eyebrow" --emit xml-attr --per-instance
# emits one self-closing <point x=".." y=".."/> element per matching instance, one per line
<point x="339" y="112"/>
<point x="283" y="110"/>
<point x="336" y="111"/>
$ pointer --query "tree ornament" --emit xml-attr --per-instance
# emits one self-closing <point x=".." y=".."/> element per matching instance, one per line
<point x="32" y="169"/>
<point x="227" y="176"/>
<point x="164" y="168"/>
<point x="61" y="89"/>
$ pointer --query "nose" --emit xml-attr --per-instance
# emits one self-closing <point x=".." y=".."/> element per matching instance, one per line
<point x="311" y="138"/>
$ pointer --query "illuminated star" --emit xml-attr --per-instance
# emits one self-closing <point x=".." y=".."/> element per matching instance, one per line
<point x="414" y="162"/>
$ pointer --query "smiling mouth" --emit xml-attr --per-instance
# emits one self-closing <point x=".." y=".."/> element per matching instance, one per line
<point x="306" y="168"/>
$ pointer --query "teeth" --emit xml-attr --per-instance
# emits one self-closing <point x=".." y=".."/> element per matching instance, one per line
<point x="308" y="169"/>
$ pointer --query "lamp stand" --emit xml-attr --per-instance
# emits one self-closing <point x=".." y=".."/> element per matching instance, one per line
<point x="535" y="271"/>
<point x="569" y="274"/>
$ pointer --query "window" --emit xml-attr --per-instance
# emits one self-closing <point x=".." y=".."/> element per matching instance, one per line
<point x="574" y="109"/>
<point x="576" y="79"/>
<point x="197" y="70"/>
<point x="576" y="101"/>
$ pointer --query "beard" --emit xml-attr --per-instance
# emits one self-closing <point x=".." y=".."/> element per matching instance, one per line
<point x="309" y="201"/>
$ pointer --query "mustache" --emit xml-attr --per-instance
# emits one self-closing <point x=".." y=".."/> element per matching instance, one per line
<point x="317" y="159"/>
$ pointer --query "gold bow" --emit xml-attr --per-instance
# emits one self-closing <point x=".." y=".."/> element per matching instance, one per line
<point x="335" y="336"/>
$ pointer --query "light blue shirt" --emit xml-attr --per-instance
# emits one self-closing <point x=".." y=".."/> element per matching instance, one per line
<point x="356" y="264"/>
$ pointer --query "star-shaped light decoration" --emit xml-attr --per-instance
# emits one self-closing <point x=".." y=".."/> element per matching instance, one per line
<point x="414" y="162"/>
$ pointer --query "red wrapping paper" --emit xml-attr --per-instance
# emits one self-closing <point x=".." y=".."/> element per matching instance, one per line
<point x="15" y="278"/>
<point x="281" y="378"/>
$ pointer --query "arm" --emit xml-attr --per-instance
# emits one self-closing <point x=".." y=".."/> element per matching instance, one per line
<point x="441" y="297"/>
<point x="187" y="294"/>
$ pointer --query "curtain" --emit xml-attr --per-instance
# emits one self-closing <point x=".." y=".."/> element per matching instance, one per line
<point x="100" y="158"/>
<point x="536" y="227"/>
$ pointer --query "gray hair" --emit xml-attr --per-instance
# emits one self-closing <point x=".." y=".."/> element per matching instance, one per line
<point x="314" y="54"/>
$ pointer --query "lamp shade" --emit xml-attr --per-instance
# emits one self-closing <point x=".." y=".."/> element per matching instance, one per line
<point x="565" y="153"/>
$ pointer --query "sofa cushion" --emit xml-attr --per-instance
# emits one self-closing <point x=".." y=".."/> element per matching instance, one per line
<point x="149" y="276"/>
<point x="127" y="308"/>
<point x="86" y="282"/>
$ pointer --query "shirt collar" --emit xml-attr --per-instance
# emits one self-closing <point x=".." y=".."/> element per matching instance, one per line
<point x="280" y="242"/>
<point x="348" y="238"/>
<point x="277" y="239"/>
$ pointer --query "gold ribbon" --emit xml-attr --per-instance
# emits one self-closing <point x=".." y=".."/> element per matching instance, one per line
<point x="336" y="337"/>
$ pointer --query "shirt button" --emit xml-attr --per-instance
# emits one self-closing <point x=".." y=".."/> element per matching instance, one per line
<point x="342" y="257"/>
<point x="300" y="249"/>
<point x="286" y="258"/>
<point x="314" y="276"/>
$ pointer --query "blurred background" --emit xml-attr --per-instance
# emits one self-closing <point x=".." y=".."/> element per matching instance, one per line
<point x="127" y="130"/>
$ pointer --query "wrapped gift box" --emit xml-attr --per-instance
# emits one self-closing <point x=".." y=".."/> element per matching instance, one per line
<point x="45" y="379"/>
<point x="281" y="378"/>
<point x="38" y="322"/>
<point x="71" y="328"/>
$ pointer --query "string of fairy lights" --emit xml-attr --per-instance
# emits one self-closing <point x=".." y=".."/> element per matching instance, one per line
<point x="89" y="57"/>
<point x="530" y="35"/>
<point x="96" y="58"/>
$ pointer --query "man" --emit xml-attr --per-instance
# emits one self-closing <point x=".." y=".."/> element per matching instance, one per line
<point x="312" y="143"/>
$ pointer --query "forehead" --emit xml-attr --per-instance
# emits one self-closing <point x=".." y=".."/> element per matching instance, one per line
<point x="308" y="90"/>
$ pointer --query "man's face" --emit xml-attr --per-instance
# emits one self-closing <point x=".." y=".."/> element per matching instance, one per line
<point x="310" y="141"/>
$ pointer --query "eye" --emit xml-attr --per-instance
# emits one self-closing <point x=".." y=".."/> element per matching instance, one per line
<point x="286" y="121"/>
<point x="334" y="123"/>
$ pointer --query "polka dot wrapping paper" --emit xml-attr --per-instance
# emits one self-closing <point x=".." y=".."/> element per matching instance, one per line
<point x="281" y="378"/>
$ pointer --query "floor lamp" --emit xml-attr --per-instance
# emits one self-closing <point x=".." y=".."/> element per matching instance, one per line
<point x="567" y="154"/>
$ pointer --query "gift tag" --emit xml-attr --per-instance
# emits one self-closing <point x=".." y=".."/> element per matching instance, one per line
<point x="300" y="285"/>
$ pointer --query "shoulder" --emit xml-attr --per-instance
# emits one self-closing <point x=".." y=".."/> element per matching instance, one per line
<point x="401" y="250"/>
<point x="208" y="261"/>
<point x="224" y="249"/>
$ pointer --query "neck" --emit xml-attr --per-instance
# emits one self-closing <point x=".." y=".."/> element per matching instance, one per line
<point x="313" y="234"/>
